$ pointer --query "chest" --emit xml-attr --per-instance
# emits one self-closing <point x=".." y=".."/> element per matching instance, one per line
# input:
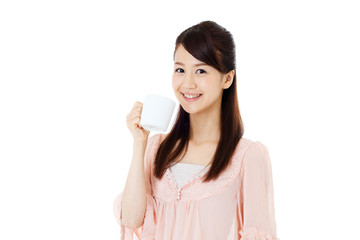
<point x="200" y="155"/>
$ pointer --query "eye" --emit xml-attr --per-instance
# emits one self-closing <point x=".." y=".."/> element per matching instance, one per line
<point x="179" y="70"/>
<point x="200" y="71"/>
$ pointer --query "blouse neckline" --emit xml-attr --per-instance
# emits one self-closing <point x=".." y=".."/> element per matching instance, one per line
<point x="192" y="164"/>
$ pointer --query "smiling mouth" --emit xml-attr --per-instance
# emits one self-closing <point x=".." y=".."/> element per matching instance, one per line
<point x="191" y="98"/>
<point x="191" y="95"/>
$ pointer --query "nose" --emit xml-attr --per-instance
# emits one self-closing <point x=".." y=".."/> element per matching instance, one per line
<point x="189" y="81"/>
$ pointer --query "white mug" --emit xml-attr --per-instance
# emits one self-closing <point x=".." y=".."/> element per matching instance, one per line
<point x="156" y="112"/>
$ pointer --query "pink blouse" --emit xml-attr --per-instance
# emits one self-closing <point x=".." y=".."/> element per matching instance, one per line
<point x="238" y="205"/>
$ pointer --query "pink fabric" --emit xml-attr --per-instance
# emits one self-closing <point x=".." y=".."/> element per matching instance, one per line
<point x="238" y="205"/>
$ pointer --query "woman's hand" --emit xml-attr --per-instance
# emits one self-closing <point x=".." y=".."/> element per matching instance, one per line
<point x="133" y="123"/>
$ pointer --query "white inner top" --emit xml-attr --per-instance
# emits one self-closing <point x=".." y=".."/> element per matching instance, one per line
<point x="184" y="171"/>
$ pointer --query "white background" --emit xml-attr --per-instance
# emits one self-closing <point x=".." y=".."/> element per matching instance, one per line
<point x="71" y="71"/>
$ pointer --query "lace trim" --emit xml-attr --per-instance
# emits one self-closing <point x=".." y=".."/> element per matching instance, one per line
<point x="166" y="188"/>
<point x="202" y="190"/>
<point x="253" y="233"/>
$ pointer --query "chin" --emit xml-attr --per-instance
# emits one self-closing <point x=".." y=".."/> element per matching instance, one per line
<point x="189" y="110"/>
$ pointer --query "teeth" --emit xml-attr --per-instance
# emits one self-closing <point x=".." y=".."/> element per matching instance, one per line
<point x="191" y="96"/>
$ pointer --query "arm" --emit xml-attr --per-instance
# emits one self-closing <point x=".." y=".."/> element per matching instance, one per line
<point x="134" y="195"/>
<point x="256" y="195"/>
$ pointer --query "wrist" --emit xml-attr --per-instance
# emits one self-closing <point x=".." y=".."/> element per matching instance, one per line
<point x="140" y="142"/>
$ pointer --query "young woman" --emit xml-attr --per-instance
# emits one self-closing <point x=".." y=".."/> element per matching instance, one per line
<point x="202" y="180"/>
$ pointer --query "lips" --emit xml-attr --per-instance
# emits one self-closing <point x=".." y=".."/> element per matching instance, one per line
<point x="192" y="96"/>
<point x="191" y="99"/>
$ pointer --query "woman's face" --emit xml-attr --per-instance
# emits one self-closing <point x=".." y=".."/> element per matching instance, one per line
<point x="193" y="77"/>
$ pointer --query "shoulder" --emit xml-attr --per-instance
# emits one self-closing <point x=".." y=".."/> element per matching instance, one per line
<point x="156" y="139"/>
<point x="256" y="158"/>
<point x="250" y="152"/>
<point x="248" y="146"/>
<point x="241" y="148"/>
<point x="153" y="144"/>
<point x="233" y="168"/>
<point x="257" y="148"/>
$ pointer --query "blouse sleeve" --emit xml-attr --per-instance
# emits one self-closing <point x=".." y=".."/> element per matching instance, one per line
<point x="256" y="195"/>
<point x="147" y="230"/>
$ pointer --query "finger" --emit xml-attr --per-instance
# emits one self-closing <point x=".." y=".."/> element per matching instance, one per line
<point x="133" y="114"/>
<point x="134" y="123"/>
<point x="135" y="109"/>
<point x="139" y="125"/>
<point x="138" y="104"/>
<point x="135" y="119"/>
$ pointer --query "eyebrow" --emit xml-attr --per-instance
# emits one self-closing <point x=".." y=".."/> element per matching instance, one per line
<point x="196" y="65"/>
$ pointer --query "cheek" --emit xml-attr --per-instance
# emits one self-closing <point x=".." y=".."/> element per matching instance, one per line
<point x="210" y="85"/>
<point x="175" y="83"/>
<point x="206" y="83"/>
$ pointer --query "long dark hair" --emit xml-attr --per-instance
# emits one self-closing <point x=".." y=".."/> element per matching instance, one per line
<point x="214" y="45"/>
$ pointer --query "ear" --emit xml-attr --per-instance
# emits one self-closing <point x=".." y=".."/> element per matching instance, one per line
<point x="229" y="79"/>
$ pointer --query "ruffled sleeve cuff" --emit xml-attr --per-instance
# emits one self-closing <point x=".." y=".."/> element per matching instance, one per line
<point x="253" y="233"/>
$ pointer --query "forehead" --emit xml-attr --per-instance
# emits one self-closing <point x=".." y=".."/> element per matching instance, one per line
<point x="183" y="56"/>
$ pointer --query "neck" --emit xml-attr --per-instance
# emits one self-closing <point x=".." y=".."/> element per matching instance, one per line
<point x="205" y="127"/>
